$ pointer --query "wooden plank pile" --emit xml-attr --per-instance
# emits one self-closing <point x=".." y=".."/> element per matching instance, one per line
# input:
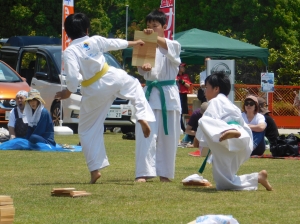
<point x="7" y="210"/>
<point x="68" y="192"/>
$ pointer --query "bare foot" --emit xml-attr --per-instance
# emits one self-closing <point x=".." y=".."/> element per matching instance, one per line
<point x="164" y="179"/>
<point x="140" y="180"/>
<point x="229" y="134"/>
<point x="95" y="175"/>
<point x="262" y="179"/>
<point x="145" y="127"/>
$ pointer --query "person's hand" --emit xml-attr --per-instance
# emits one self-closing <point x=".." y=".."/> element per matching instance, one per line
<point x="148" y="31"/>
<point x="182" y="82"/>
<point x="64" y="94"/>
<point x="146" y="67"/>
<point x="139" y="42"/>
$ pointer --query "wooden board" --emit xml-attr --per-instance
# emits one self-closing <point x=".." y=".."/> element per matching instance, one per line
<point x="68" y="192"/>
<point x="146" y="53"/>
<point x="5" y="200"/>
<point x="7" y="211"/>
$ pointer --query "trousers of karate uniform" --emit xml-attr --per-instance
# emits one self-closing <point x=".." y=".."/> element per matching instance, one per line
<point x="115" y="83"/>
<point x="228" y="155"/>
<point x="155" y="156"/>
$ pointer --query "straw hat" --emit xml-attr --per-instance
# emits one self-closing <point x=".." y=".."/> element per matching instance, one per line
<point x="35" y="94"/>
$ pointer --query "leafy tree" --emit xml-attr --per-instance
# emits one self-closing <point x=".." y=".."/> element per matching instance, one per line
<point x="269" y="23"/>
<point x="29" y="17"/>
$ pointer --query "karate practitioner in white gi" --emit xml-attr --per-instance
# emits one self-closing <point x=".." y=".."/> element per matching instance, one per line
<point x="229" y="138"/>
<point x="155" y="156"/>
<point x="84" y="63"/>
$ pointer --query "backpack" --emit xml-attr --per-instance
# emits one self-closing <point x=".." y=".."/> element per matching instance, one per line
<point x="286" y="146"/>
<point x="20" y="127"/>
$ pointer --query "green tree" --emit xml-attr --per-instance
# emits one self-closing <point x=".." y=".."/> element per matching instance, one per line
<point x="31" y="17"/>
<point x="270" y="23"/>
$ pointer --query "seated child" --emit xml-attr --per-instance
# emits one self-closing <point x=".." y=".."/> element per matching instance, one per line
<point x="40" y="125"/>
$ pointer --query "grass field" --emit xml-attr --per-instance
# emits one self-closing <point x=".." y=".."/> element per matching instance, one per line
<point x="29" y="176"/>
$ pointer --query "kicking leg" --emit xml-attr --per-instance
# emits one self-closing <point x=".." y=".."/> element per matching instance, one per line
<point x="229" y="134"/>
<point x="262" y="179"/>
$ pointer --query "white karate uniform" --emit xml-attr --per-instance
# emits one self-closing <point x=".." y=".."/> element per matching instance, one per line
<point x="202" y="77"/>
<point x="155" y="156"/>
<point x="82" y="59"/>
<point x="229" y="154"/>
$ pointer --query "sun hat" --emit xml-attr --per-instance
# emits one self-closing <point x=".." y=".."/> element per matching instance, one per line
<point x="35" y="94"/>
<point x="251" y="97"/>
<point x="262" y="108"/>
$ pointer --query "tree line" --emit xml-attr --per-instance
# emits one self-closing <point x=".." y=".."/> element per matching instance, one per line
<point x="273" y="24"/>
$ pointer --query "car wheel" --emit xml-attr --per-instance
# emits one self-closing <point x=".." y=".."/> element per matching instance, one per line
<point x="74" y="127"/>
<point x="127" y="129"/>
<point x="55" y="113"/>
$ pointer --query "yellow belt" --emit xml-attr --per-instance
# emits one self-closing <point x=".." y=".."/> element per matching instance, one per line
<point x="97" y="76"/>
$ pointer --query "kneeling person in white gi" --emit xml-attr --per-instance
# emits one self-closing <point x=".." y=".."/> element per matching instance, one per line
<point x="224" y="131"/>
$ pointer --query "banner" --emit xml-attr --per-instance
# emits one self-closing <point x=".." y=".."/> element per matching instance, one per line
<point x="267" y="82"/>
<point x="168" y="7"/>
<point x="68" y="8"/>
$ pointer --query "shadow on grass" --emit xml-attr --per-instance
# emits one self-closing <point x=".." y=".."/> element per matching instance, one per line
<point x="200" y="189"/>
<point x="106" y="182"/>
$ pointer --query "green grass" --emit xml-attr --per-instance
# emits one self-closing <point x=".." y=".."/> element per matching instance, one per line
<point x="29" y="176"/>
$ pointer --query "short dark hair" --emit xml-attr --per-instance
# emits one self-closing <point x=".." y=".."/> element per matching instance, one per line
<point x="76" y="25"/>
<point x="221" y="80"/>
<point x="158" y="16"/>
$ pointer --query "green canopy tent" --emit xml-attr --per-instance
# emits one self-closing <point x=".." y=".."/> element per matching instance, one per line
<point x="197" y="44"/>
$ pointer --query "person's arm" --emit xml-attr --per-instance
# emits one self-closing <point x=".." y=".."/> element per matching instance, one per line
<point x="189" y="130"/>
<point x="135" y="42"/>
<point x="11" y="131"/>
<point x="161" y="41"/>
<point x="11" y="124"/>
<point x="187" y="81"/>
<point x="258" y="127"/>
<point x="64" y="94"/>
<point x="261" y="123"/>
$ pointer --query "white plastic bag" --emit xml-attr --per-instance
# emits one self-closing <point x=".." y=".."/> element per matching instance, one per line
<point x="216" y="219"/>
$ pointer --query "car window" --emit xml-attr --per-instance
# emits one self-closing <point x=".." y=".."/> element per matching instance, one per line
<point x="111" y="60"/>
<point x="42" y="65"/>
<point x="57" y="58"/>
<point x="7" y="75"/>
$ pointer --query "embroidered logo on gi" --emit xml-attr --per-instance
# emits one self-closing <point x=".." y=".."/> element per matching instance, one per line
<point x="86" y="46"/>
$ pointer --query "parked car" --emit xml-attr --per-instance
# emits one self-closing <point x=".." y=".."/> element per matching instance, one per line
<point x="10" y="84"/>
<point x="41" y="66"/>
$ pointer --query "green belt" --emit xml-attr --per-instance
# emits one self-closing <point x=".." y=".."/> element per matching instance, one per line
<point x="201" y="169"/>
<point x="158" y="85"/>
